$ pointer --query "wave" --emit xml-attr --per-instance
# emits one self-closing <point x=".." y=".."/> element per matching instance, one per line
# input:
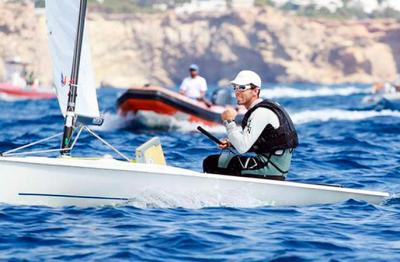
<point x="154" y="121"/>
<point x="151" y="120"/>
<point x="394" y="200"/>
<point x="338" y="114"/>
<point x="289" y="92"/>
<point x="10" y="98"/>
<point x="204" y="199"/>
<point x="112" y="122"/>
<point x="185" y="126"/>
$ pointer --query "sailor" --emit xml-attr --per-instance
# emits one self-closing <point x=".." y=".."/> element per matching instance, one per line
<point x="194" y="86"/>
<point x="267" y="135"/>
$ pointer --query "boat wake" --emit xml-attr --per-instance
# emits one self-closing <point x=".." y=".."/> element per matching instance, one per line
<point x="9" y="98"/>
<point x="154" y="121"/>
<point x="112" y="122"/>
<point x="289" y="92"/>
<point x="159" y="199"/>
<point x="324" y="115"/>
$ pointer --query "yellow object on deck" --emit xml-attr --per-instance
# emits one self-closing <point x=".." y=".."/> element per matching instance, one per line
<point x="151" y="152"/>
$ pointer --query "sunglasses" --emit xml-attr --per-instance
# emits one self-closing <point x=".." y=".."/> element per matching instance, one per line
<point x="242" y="88"/>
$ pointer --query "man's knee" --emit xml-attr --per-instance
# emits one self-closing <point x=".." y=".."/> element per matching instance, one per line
<point x="210" y="164"/>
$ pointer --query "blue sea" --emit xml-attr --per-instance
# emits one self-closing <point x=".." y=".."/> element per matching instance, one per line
<point x="342" y="141"/>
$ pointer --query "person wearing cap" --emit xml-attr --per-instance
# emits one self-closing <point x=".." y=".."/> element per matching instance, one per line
<point x="263" y="145"/>
<point x="194" y="86"/>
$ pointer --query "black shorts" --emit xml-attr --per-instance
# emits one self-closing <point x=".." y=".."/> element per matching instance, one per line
<point x="245" y="166"/>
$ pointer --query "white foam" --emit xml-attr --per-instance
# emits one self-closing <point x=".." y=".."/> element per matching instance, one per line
<point x="11" y="98"/>
<point x="338" y="114"/>
<point x="212" y="198"/>
<point x="289" y="92"/>
<point x="112" y="122"/>
<point x="185" y="126"/>
<point x="155" y="121"/>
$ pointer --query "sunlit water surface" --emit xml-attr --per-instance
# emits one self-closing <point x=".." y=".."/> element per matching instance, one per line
<point x="342" y="141"/>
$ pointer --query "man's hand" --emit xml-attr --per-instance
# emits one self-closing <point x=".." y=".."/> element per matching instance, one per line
<point x="224" y="144"/>
<point x="229" y="114"/>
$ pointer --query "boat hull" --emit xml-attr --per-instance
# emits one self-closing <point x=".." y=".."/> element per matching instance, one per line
<point x="166" y="103"/>
<point x="71" y="182"/>
<point x="15" y="92"/>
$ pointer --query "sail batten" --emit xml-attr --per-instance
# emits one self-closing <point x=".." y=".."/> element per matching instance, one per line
<point x="62" y="19"/>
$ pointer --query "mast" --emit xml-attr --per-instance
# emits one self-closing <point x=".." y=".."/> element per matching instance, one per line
<point x="70" y="116"/>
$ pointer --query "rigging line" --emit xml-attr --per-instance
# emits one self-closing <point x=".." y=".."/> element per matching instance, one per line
<point x="76" y="138"/>
<point x="11" y="152"/>
<point x="37" y="152"/>
<point x="31" y="144"/>
<point x="107" y="144"/>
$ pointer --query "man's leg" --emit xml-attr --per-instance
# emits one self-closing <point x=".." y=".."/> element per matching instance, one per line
<point x="218" y="164"/>
<point x="245" y="163"/>
<point x="236" y="165"/>
<point x="249" y="166"/>
<point x="210" y="164"/>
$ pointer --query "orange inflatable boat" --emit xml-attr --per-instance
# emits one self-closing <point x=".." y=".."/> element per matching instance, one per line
<point x="165" y="102"/>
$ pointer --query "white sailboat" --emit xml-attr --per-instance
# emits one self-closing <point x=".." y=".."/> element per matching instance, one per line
<point x="65" y="181"/>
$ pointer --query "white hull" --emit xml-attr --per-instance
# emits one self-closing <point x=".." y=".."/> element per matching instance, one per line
<point x="66" y="181"/>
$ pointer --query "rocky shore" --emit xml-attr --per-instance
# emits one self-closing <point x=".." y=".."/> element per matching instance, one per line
<point x="157" y="48"/>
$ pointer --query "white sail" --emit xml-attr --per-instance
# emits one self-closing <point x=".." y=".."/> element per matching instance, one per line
<point x="62" y="20"/>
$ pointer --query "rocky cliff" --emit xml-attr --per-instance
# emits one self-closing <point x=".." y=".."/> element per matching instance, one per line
<point x="157" y="48"/>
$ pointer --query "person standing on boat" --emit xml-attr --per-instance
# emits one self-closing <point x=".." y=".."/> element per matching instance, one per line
<point x="194" y="86"/>
<point x="267" y="133"/>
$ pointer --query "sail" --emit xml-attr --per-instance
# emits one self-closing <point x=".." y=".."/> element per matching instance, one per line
<point x="62" y="20"/>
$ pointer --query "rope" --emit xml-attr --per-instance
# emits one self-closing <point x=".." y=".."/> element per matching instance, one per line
<point x="81" y="128"/>
<point x="107" y="144"/>
<point x="31" y="144"/>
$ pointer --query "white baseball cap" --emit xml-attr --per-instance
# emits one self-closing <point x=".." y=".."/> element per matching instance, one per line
<point x="246" y="77"/>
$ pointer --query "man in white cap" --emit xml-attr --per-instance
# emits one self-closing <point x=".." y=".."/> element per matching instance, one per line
<point x="267" y="132"/>
<point x="194" y="86"/>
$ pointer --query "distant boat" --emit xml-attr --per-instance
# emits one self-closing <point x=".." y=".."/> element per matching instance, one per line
<point x="164" y="106"/>
<point x="10" y="91"/>
<point x="385" y="95"/>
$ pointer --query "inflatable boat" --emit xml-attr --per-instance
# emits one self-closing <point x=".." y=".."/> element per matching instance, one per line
<point x="165" y="104"/>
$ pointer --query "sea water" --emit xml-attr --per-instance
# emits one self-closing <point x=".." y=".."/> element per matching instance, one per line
<point x="342" y="141"/>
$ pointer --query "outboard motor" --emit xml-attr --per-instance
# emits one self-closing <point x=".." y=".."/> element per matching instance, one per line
<point x="222" y="96"/>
